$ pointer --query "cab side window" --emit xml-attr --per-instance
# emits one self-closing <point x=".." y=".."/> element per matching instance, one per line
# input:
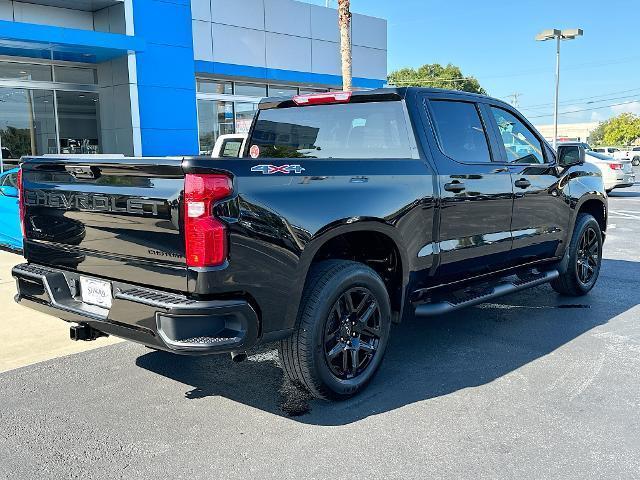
<point x="521" y="145"/>
<point x="459" y="131"/>
<point x="231" y="148"/>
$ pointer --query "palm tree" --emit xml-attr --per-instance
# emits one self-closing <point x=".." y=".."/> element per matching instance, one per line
<point x="344" y="22"/>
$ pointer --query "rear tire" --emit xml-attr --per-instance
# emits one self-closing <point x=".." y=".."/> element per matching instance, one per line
<point x="585" y="259"/>
<point x="345" y="308"/>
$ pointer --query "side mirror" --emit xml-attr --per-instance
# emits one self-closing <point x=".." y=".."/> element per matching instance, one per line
<point x="570" y="155"/>
<point x="8" y="191"/>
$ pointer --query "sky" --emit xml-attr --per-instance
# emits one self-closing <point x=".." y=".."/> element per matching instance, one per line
<point x="494" y="42"/>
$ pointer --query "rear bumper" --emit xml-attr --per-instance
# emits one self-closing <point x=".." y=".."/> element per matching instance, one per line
<point x="158" y="319"/>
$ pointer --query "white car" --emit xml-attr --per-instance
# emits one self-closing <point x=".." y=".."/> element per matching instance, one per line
<point x="615" y="173"/>
<point x="615" y="152"/>
<point x="229" y="146"/>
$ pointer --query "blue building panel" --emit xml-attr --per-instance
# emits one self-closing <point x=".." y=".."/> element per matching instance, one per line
<point x="166" y="66"/>
<point x="164" y="23"/>
<point x="162" y="142"/>
<point x="166" y="78"/>
<point x="167" y="108"/>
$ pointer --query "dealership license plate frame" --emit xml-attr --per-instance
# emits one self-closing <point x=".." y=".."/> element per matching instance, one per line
<point x="96" y="292"/>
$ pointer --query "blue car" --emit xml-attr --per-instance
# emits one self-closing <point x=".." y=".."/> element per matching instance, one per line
<point x="10" y="232"/>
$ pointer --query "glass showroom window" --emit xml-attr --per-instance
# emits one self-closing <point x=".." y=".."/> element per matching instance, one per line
<point x="27" y="122"/>
<point x="214" y="86"/>
<point x="244" y="116"/>
<point x="78" y="115"/>
<point x="226" y="107"/>
<point x="215" y="118"/>
<point x="87" y="76"/>
<point x="25" y="71"/>
<point x="281" y="91"/>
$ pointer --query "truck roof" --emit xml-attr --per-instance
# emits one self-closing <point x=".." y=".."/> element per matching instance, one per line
<point x="381" y="94"/>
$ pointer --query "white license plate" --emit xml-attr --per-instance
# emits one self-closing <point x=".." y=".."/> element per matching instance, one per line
<point x="96" y="292"/>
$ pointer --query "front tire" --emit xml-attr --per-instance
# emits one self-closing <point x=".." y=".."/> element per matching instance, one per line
<point x="343" y="328"/>
<point x="585" y="259"/>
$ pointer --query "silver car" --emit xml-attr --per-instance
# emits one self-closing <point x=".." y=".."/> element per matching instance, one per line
<point x="615" y="173"/>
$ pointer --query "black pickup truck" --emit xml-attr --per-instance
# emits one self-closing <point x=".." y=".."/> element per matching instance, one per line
<point x="348" y="212"/>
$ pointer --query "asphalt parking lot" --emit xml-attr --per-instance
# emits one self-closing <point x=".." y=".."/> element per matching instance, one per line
<point x="532" y="386"/>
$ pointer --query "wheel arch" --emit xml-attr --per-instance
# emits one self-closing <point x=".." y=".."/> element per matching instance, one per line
<point x="372" y="242"/>
<point x="595" y="205"/>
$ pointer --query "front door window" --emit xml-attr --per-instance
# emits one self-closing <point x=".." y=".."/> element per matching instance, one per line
<point x="521" y="145"/>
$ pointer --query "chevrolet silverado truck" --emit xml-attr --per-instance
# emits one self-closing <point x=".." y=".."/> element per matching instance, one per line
<point x="347" y="212"/>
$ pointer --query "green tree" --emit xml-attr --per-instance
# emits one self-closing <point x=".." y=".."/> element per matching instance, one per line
<point x="622" y="130"/>
<point x="17" y="141"/>
<point x="435" y="76"/>
<point x="596" y="137"/>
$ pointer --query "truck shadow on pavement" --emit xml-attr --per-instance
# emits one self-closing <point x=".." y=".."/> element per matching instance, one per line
<point x="426" y="358"/>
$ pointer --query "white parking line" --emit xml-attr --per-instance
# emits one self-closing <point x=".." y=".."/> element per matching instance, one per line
<point x="624" y="214"/>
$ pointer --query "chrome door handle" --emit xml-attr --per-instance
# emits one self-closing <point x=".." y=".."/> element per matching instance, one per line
<point x="455" y="187"/>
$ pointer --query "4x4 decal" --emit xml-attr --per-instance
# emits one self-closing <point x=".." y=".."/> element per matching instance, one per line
<point x="271" y="169"/>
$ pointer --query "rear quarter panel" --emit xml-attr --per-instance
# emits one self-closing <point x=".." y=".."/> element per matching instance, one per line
<point x="278" y="222"/>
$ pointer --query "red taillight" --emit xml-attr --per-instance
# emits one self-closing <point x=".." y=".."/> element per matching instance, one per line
<point x="21" y="201"/>
<point x="615" y="166"/>
<point x="322" y="98"/>
<point x="205" y="237"/>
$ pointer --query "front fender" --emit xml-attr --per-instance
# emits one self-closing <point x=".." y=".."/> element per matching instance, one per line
<point x="585" y="183"/>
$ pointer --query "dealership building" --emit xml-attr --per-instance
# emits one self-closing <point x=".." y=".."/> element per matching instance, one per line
<point x="163" y="77"/>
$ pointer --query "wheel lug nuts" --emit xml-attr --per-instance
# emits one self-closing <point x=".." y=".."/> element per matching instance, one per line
<point x="354" y="334"/>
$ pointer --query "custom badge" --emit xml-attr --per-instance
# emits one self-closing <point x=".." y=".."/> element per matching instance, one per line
<point x="271" y="169"/>
<point x="254" y="151"/>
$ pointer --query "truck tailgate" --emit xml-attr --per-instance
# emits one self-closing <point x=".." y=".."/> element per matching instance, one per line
<point x="115" y="218"/>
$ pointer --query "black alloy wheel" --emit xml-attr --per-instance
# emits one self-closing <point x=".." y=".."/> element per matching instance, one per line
<point x="588" y="257"/>
<point x="352" y="333"/>
<point x="583" y="258"/>
<point x="342" y="331"/>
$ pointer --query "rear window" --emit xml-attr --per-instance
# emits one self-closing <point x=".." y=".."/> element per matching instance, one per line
<point x="460" y="131"/>
<point x="373" y="130"/>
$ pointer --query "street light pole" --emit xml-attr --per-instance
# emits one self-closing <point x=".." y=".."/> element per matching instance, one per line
<point x="555" y="109"/>
<point x="558" y="35"/>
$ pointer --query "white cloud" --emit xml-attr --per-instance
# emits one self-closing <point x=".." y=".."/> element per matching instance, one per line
<point x="597" y="117"/>
<point x="631" y="107"/>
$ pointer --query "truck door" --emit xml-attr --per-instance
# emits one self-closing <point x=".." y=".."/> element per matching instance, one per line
<point x="540" y="213"/>
<point x="476" y="194"/>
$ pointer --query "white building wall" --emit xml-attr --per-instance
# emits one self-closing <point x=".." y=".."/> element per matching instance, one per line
<point x="287" y="35"/>
<point x="45" y="15"/>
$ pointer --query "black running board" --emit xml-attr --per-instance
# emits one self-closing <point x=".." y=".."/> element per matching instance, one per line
<point x="503" y="288"/>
